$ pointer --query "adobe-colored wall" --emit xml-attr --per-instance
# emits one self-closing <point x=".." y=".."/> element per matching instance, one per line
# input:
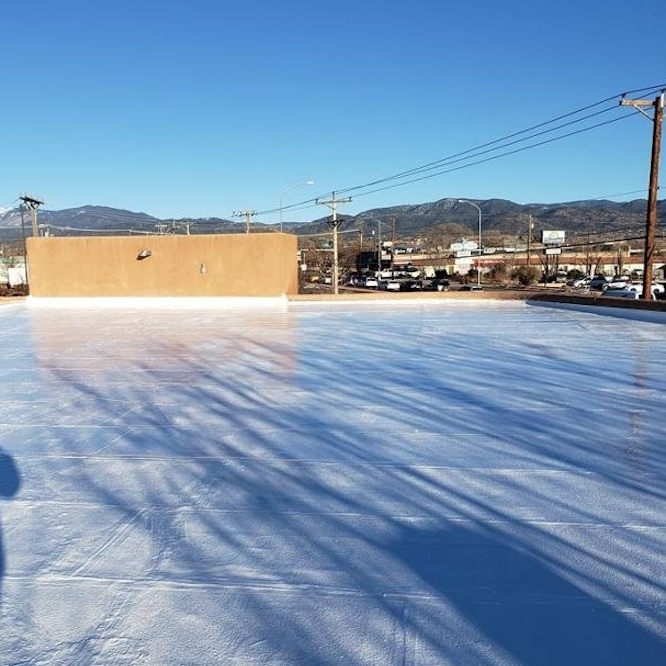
<point x="213" y="265"/>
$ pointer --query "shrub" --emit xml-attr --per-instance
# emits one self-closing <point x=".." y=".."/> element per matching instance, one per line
<point x="499" y="272"/>
<point x="525" y="275"/>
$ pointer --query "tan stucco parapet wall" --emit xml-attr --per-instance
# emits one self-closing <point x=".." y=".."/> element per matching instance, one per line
<point x="600" y="300"/>
<point x="626" y="308"/>
<point x="360" y="296"/>
<point x="257" y="264"/>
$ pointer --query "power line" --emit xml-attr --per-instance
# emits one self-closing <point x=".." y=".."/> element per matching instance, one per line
<point x="617" y="194"/>
<point x="492" y="157"/>
<point x="503" y="143"/>
<point x="485" y="148"/>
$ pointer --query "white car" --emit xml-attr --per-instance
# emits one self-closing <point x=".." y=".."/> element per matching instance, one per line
<point x="578" y="283"/>
<point x="632" y="290"/>
<point x="616" y="283"/>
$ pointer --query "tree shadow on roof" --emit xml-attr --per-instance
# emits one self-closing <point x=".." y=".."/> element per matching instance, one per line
<point x="521" y="604"/>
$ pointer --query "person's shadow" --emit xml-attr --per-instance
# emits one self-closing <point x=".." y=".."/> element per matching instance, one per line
<point x="10" y="482"/>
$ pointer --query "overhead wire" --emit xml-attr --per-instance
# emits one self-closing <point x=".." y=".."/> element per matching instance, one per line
<point x="475" y="156"/>
<point x="405" y="177"/>
<point x="477" y="150"/>
<point x="444" y="170"/>
<point x="491" y="158"/>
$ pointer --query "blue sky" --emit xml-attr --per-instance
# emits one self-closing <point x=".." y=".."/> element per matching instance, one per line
<point x="203" y="107"/>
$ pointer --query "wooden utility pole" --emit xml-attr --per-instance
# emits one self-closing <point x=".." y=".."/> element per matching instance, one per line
<point x="33" y="204"/>
<point x="651" y="222"/>
<point x="393" y="241"/>
<point x="332" y="203"/>
<point x="247" y="214"/>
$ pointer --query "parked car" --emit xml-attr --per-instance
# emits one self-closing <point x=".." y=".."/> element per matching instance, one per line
<point x="371" y="283"/>
<point x="597" y="282"/>
<point x="616" y="283"/>
<point x="621" y="293"/>
<point x="436" y="284"/>
<point x="638" y="287"/>
<point x="471" y="287"/>
<point x="411" y="285"/>
<point x="577" y="283"/>
<point x="633" y="290"/>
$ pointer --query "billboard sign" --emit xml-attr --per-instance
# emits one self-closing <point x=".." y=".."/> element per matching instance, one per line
<point x="463" y="246"/>
<point x="550" y="237"/>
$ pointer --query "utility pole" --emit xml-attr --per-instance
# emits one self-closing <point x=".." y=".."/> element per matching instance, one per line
<point x="379" y="251"/>
<point x="247" y="214"/>
<point x="332" y="203"/>
<point x="529" y="241"/>
<point x="25" y="251"/>
<point x="33" y="204"/>
<point x="393" y="241"/>
<point x="651" y="223"/>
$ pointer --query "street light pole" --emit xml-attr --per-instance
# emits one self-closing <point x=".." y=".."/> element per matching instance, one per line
<point x="478" y="267"/>
<point x="288" y="189"/>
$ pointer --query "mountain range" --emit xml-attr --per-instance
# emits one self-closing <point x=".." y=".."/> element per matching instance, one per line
<point x="499" y="215"/>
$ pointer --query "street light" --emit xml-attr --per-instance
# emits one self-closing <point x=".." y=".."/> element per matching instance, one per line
<point x="288" y="189"/>
<point x="478" y="267"/>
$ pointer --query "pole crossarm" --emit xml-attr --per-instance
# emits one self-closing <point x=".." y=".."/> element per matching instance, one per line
<point x="31" y="201"/>
<point x="640" y="104"/>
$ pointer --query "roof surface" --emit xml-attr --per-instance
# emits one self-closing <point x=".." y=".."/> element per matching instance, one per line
<point x="414" y="483"/>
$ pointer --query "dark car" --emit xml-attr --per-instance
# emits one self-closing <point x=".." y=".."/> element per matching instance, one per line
<point x="598" y="282"/>
<point x="437" y="284"/>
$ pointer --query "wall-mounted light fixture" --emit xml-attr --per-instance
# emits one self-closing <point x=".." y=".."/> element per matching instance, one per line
<point x="202" y="268"/>
<point x="144" y="254"/>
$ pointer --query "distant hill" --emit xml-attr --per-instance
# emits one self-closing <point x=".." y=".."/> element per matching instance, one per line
<point x="102" y="219"/>
<point x="500" y="215"/>
<point x="408" y="220"/>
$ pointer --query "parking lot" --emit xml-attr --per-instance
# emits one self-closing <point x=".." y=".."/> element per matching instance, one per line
<point x="426" y="482"/>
